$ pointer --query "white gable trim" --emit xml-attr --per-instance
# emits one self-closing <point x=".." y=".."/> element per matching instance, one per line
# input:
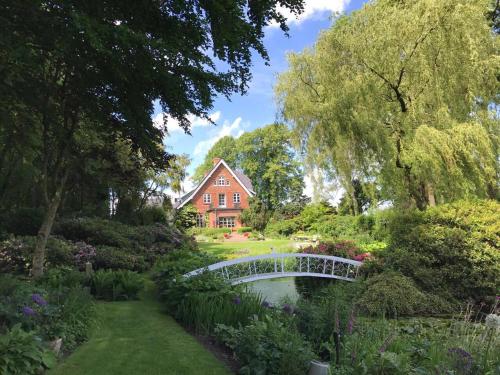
<point x="207" y="177"/>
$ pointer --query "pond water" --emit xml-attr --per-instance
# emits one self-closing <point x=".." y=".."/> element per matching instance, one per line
<point x="274" y="290"/>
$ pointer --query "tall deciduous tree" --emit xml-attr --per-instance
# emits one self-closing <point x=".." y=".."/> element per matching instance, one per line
<point x="268" y="159"/>
<point x="72" y="64"/>
<point x="400" y="91"/>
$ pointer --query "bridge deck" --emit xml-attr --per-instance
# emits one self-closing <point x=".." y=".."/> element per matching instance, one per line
<point x="275" y="265"/>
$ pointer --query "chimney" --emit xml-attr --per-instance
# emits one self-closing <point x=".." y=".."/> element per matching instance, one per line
<point x="215" y="161"/>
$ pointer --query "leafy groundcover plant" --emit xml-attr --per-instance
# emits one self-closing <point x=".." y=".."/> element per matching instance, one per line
<point x="335" y="325"/>
<point x="34" y="314"/>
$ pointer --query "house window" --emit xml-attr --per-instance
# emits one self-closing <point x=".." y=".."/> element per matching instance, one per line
<point x="236" y="198"/>
<point x="207" y="198"/>
<point x="221" y="181"/>
<point x="226" y="222"/>
<point x="200" y="220"/>
<point x="222" y="200"/>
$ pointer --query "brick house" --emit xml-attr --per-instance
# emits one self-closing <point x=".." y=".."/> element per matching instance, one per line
<point x="220" y="197"/>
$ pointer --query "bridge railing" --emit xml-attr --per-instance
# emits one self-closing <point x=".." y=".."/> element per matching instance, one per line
<point x="283" y="265"/>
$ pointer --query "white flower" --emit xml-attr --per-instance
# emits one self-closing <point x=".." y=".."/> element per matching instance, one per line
<point x="492" y="321"/>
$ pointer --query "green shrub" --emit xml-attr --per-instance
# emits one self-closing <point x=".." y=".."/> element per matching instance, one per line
<point x="268" y="346"/>
<point x="57" y="307"/>
<point x="244" y="230"/>
<point x="63" y="277"/>
<point x="325" y="312"/>
<point x="22" y="222"/>
<point x="215" y="233"/>
<point x="203" y="301"/>
<point x="108" y="257"/>
<point x="451" y="250"/>
<point x="151" y="215"/>
<point x="448" y="261"/>
<point x="117" y="285"/>
<point x="23" y="353"/>
<point x="393" y="294"/>
<point x="75" y="314"/>
<point x="16" y="254"/>
<point x="283" y="228"/>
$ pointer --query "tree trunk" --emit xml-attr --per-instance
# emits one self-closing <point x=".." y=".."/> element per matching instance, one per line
<point x="45" y="230"/>
<point x="431" y="198"/>
<point x="354" y="202"/>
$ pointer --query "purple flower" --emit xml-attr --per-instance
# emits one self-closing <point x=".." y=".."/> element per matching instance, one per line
<point x="288" y="309"/>
<point x="267" y="305"/>
<point x="28" y="311"/>
<point x="498" y="298"/>
<point x="462" y="359"/>
<point x="38" y="299"/>
<point x="237" y="300"/>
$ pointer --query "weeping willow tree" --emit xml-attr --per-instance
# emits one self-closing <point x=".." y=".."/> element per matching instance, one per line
<point x="403" y="92"/>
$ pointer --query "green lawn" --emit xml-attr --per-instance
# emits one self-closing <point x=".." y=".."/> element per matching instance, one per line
<point x="134" y="338"/>
<point x="231" y="250"/>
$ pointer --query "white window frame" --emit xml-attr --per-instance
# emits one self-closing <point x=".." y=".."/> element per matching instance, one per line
<point x="207" y="198"/>
<point x="226" y="222"/>
<point x="221" y="181"/>
<point x="219" y="202"/>
<point x="236" y="198"/>
<point x="200" y="221"/>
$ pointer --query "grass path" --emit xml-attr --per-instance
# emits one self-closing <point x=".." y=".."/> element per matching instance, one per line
<point x="231" y="250"/>
<point x="135" y="338"/>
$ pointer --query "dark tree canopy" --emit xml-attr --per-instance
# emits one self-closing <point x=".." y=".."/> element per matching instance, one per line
<point x="70" y="68"/>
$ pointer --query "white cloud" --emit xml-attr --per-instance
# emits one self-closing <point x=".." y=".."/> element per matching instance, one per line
<point x="173" y="124"/>
<point x="314" y="9"/>
<point x="233" y="129"/>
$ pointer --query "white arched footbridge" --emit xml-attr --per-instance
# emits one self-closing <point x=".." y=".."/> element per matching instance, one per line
<point x="270" y="266"/>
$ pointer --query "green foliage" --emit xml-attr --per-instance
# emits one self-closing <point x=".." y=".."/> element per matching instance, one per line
<point x="380" y="98"/>
<point x="120" y="245"/>
<point x="283" y="228"/>
<point x="151" y="215"/>
<point x="16" y="254"/>
<point x="186" y="217"/>
<point x="214" y="233"/>
<point x="22" y="353"/>
<point x="268" y="346"/>
<point x="267" y="158"/>
<point x="257" y="215"/>
<point x="57" y="307"/>
<point x="392" y="294"/>
<point x="327" y="311"/>
<point x="113" y="258"/>
<point x="452" y="249"/>
<point x="203" y="301"/>
<point x="66" y="277"/>
<point x="22" y="222"/>
<point x="117" y="285"/>
<point x="244" y="230"/>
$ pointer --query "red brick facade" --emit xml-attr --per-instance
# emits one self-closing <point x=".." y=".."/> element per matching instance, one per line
<point x="216" y="199"/>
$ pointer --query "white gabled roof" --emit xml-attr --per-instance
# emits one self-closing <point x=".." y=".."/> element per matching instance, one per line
<point x="207" y="177"/>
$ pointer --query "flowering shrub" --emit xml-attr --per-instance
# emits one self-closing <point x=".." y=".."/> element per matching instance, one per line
<point x="84" y="253"/>
<point x="48" y="309"/>
<point x="344" y="249"/>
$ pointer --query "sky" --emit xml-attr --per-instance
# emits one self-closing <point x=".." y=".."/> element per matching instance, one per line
<point x="257" y="108"/>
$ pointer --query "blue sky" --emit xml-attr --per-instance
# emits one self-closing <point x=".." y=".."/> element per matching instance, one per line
<point x="257" y="108"/>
